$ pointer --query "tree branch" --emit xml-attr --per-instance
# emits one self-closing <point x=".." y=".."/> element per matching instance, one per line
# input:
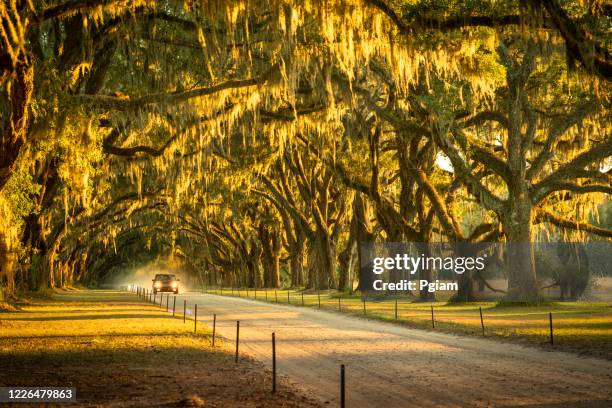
<point x="560" y="126"/>
<point x="124" y="104"/>
<point x="546" y="216"/>
<point x="575" y="166"/>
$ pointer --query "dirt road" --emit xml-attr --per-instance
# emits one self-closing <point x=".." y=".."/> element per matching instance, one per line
<point x="392" y="366"/>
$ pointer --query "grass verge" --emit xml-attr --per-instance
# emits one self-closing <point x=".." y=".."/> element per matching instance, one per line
<point x="118" y="351"/>
<point x="578" y="327"/>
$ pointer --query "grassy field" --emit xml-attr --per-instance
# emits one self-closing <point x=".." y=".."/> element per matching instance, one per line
<point x="580" y="327"/>
<point x="117" y="350"/>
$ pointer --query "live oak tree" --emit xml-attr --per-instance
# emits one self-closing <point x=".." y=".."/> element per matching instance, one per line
<point x="540" y="149"/>
<point x="230" y="135"/>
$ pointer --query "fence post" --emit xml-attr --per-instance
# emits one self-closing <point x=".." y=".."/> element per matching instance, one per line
<point x="154" y="297"/>
<point x="174" y="307"/>
<point x="319" y="297"/>
<point x="266" y="292"/>
<point x="214" y="328"/>
<point x="195" y="319"/>
<point x="302" y="298"/>
<point x="552" y="341"/>
<point x="481" y="320"/>
<point x="237" y="338"/>
<point x="339" y="305"/>
<point x="364" y="307"/>
<point x="288" y="301"/>
<point x="433" y="322"/>
<point x="273" y="362"/>
<point x="395" y="308"/>
<point x="184" y="310"/>
<point x="255" y="293"/>
<point x="168" y="302"/>
<point x="342" y="386"/>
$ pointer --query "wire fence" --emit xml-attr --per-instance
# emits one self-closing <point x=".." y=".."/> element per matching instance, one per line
<point x="573" y="322"/>
<point x="487" y="319"/>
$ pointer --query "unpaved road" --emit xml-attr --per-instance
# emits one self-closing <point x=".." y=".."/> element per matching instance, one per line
<point x="392" y="366"/>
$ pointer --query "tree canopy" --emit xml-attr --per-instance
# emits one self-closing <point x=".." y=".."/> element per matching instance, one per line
<point x="259" y="142"/>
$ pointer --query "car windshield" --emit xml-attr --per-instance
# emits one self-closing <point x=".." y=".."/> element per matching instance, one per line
<point x="164" y="277"/>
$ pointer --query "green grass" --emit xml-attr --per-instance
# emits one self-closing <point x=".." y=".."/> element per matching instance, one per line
<point x="584" y="327"/>
<point x="100" y="320"/>
<point x="117" y="350"/>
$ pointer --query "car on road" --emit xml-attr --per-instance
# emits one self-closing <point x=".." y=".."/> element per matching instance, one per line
<point x="165" y="282"/>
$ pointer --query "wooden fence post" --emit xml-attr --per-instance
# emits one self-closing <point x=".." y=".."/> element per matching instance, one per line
<point x="481" y="320"/>
<point x="273" y="362"/>
<point x="552" y="341"/>
<point x="237" y="338"/>
<point x="395" y="308"/>
<point x="342" y="387"/>
<point x="433" y="322"/>
<point x="214" y="328"/>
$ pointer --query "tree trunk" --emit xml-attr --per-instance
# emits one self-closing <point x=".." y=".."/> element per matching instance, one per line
<point x="275" y="246"/>
<point x="520" y="260"/>
<point x="7" y="264"/>
<point x="346" y="264"/>
<point x="465" y="282"/>
<point x="346" y="257"/>
<point x="465" y="293"/>
<point x="326" y="262"/>
<point x="426" y="274"/>
<point x="14" y="129"/>
<point x="271" y="247"/>
<point x="296" y="261"/>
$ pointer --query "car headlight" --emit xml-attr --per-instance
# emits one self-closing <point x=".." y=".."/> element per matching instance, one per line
<point x="174" y="284"/>
<point x="158" y="284"/>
